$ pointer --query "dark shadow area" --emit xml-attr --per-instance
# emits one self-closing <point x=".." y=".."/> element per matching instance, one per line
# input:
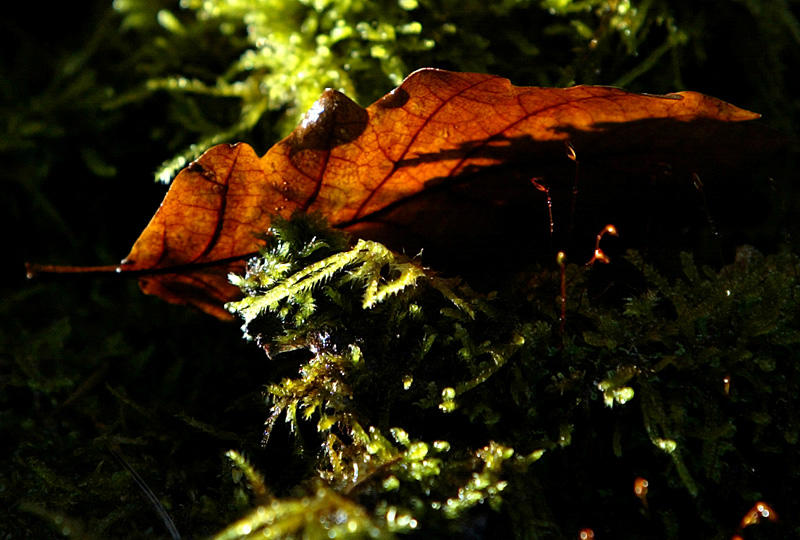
<point x="667" y="186"/>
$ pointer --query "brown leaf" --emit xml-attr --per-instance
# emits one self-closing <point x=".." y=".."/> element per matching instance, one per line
<point x="413" y="170"/>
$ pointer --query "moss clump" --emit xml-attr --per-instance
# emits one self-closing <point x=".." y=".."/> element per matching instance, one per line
<point x="97" y="95"/>
<point x="445" y="406"/>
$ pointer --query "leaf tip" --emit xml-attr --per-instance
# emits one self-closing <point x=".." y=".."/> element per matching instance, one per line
<point x="709" y="106"/>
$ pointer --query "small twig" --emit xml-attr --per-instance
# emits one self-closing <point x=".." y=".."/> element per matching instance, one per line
<point x="561" y="259"/>
<point x="148" y="494"/>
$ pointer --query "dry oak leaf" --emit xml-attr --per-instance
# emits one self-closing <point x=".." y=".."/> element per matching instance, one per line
<point x="408" y="165"/>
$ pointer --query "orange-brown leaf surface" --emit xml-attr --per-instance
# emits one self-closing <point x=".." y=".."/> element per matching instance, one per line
<point x="413" y="168"/>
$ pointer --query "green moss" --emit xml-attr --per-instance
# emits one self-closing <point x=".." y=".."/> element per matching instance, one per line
<point x="493" y="385"/>
<point x="471" y="402"/>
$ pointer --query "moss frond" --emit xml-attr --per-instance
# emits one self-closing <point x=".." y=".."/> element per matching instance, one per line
<point x="325" y="514"/>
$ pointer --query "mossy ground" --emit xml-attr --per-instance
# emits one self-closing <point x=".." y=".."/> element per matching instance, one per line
<point x="91" y="369"/>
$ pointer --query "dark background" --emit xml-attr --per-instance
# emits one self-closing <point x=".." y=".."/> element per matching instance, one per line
<point x="88" y="363"/>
